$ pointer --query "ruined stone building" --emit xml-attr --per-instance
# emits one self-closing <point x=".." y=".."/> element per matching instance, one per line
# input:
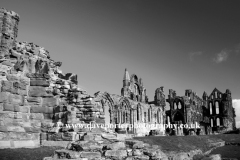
<point x="35" y="96"/>
<point x="132" y="107"/>
<point x="214" y="113"/>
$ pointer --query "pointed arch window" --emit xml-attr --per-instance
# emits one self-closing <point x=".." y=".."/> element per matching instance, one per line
<point x="175" y="105"/>
<point x="149" y="115"/>
<point x="218" y="122"/>
<point x="123" y="117"/>
<point x="211" y="122"/>
<point x="138" y="113"/>
<point x="217" y="107"/>
<point x="119" y="117"/>
<point x="210" y="108"/>
<point x="216" y="94"/>
<point x="179" y="105"/>
<point x="168" y="119"/>
<point x="145" y="117"/>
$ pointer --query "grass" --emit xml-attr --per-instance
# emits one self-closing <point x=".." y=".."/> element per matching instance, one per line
<point x="187" y="143"/>
<point x="26" y="153"/>
<point x="228" y="151"/>
<point x="181" y="143"/>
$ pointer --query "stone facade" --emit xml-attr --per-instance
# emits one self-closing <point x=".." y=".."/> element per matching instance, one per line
<point x="214" y="113"/>
<point x="133" y="108"/>
<point x="38" y="102"/>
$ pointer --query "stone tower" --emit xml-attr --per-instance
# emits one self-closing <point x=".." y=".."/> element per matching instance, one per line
<point x="126" y="84"/>
<point x="8" y="31"/>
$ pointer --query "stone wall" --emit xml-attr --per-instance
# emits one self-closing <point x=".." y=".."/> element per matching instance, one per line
<point x="8" y="30"/>
<point x="35" y="95"/>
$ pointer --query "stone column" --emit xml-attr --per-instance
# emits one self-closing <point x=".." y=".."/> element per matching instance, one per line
<point x="8" y="31"/>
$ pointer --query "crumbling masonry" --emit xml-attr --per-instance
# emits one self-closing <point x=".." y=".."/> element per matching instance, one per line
<point x="35" y="96"/>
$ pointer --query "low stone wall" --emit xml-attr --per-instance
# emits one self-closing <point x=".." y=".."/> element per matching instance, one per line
<point x="106" y="146"/>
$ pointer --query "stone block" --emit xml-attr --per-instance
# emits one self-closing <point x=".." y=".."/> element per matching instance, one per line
<point x="141" y="157"/>
<point x="36" y="100"/>
<point x="22" y="136"/>
<point x="26" y="144"/>
<point x="116" y="146"/>
<point x="88" y="137"/>
<point x="43" y="136"/>
<point x="50" y="102"/>
<point x="25" y="80"/>
<point x="4" y="96"/>
<point x="7" y="86"/>
<point x="47" y="125"/>
<point x="39" y="82"/>
<point x="66" y="154"/>
<point x="91" y="155"/>
<point x="136" y="152"/>
<point x="19" y="85"/>
<point x="5" y="144"/>
<point x="54" y="137"/>
<point x="37" y="91"/>
<point x="36" y="116"/>
<point x="116" y="154"/>
<point x="16" y="99"/>
<point x="1" y="107"/>
<point x="9" y="114"/>
<point x="47" y="110"/>
<point x="48" y="116"/>
<point x="15" y="108"/>
<point x="13" y="77"/>
<point x="32" y="130"/>
<point x="11" y="129"/>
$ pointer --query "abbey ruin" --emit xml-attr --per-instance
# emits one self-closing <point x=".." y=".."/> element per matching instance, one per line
<point x="35" y="97"/>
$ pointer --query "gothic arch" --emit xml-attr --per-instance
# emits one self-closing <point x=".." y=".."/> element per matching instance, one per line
<point x="134" y="78"/>
<point x="106" y="98"/>
<point x="178" y="116"/>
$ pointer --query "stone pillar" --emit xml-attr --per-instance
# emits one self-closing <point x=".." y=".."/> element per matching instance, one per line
<point x="8" y="31"/>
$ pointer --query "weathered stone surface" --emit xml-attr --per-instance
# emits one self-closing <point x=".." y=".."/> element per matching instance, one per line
<point x="91" y="155"/>
<point x="34" y="99"/>
<point x="38" y="82"/>
<point x="88" y="137"/>
<point x="50" y="102"/>
<point x="15" y="108"/>
<point x="13" y="115"/>
<point x="47" y="110"/>
<point x="116" y="146"/>
<point x="63" y="153"/>
<point x="4" y="96"/>
<point x="16" y="99"/>
<point x="11" y="129"/>
<point x="136" y="152"/>
<point x="116" y="154"/>
<point x="37" y="91"/>
<point x="213" y="157"/>
<point x="141" y="157"/>
<point x="138" y="145"/>
<point x="36" y="116"/>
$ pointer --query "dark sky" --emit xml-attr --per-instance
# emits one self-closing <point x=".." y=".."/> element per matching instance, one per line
<point x="187" y="44"/>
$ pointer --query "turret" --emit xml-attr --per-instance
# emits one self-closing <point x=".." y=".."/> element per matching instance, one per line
<point x="159" y="96"/>
<point x="204" y="96"/>
<point x="188" y="92"/>
<point x="126" y="78"/>
<point x="228" y="92"/>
